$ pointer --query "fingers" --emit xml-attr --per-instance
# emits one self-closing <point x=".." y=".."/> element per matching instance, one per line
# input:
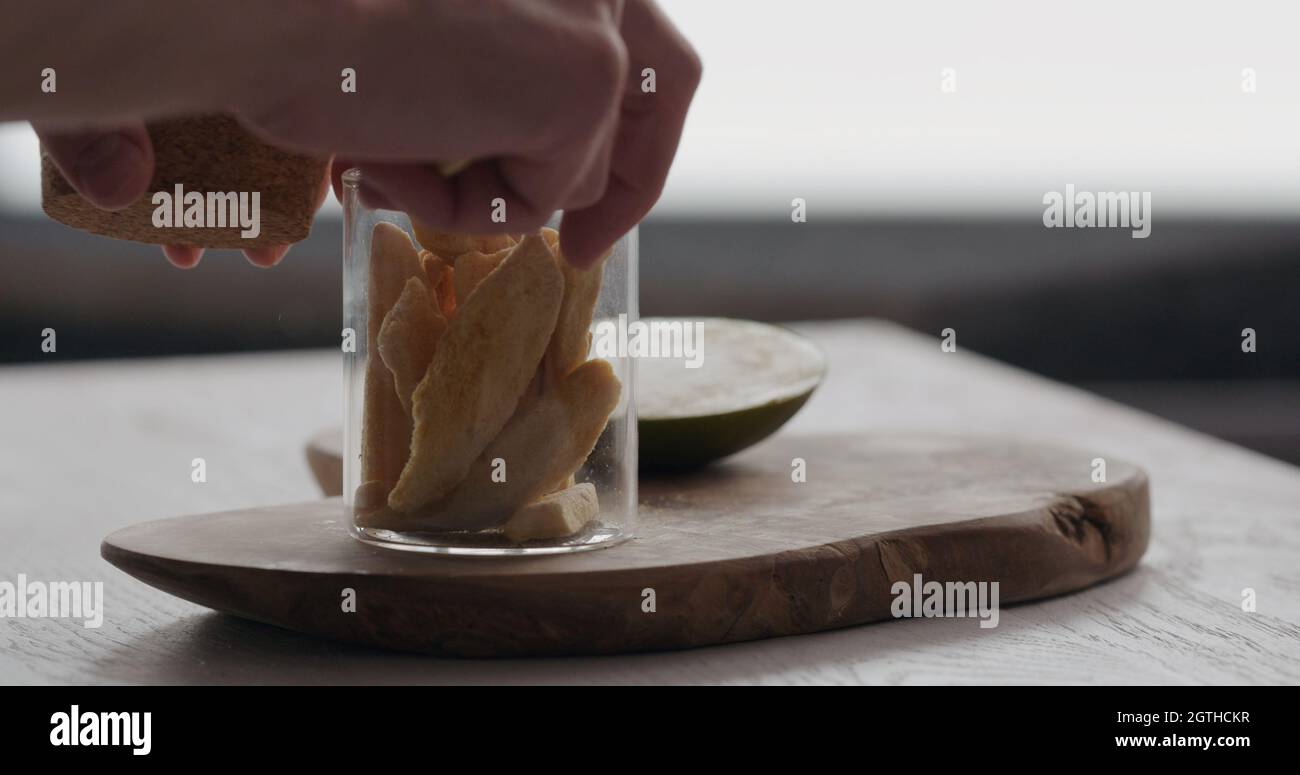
<point x="487" y="197"/>
<point x="484" y="198"/>
<point x="113" y="167"/>
<point x="599" y="148"/>
<point x="575" y="172"/>
<point x="594" y="164"/>
<point x="563" y="163"/>
<point x="183" y="256"/>
<point x="418" y="189"/>
<point x="268" y="257"/>
<point x="323" y="189"/>
<point x="187" y="256"/>
<point x="649" y="131"/>
<point x="110" y="167"/>
<point x="370" y="196"/>
<point x="478" y="200"/>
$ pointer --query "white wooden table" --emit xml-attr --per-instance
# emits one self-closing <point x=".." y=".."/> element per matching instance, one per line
<point x="90" y="447"/>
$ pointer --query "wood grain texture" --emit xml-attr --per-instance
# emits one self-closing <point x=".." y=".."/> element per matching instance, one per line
<point x="732" y="553"/>
<point x="96" y="446"/>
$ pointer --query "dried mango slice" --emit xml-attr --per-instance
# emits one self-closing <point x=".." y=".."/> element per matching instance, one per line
<point x="409" y="337"/>
<point x="370" y="505"/>
<point x="484" y="362"/>
<point x="556" y="515"/>
<point x="385" y="426"/>
<point x="547" y="440"/>
<point x="432" y="265"/>
<point x="440" y="277"/>
<point x="571" y="341"/>
<point x="472" y="267"/>
<point x="447" y="243"/>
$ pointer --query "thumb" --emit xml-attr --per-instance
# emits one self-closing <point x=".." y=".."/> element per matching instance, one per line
<point x="111" y="167"/>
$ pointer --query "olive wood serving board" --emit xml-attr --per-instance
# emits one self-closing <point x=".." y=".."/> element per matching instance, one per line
<point x="734" y="552"/>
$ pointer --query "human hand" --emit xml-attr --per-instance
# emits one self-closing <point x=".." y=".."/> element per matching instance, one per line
<point x="112" y="167"/>
<point x="545" y="96"/>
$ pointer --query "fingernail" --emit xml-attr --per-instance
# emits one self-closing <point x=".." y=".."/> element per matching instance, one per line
<point x="183" y="256"/>
<point x="107" y="169"/>
<point x="279" y="254"/>
<point x="265" y="258"/>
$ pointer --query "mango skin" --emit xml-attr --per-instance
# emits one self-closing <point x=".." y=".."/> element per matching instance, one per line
<point x="685" y="443"/>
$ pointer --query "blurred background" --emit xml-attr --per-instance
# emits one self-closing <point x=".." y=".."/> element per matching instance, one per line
<point x="923" y="138"/>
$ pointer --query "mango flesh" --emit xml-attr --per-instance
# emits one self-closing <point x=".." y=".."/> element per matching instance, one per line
<point x="408" y="337"/>
<point x="556" y="515"/>
<point x="541" y="447"/>
<point x="386" y="426"/>
<point x="486" y="357"/>
<point x="483" y="364"/>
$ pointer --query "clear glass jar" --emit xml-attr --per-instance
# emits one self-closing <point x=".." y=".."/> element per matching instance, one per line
<point x="476" y="420"/>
